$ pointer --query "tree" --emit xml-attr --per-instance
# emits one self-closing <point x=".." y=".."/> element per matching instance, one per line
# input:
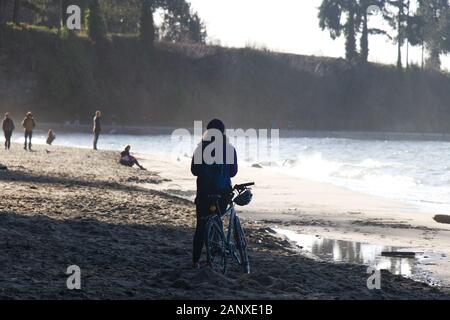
<point x="415" y="32"/>
<point x="147" y="28"/>
<point x="16" y="11"/>
<point x="364" y="41"/>
<point x="397" y="15"/>
<point x="181" y="24"/>
<point x="2" y="21"/>
<point x="63" y="4"/>
<point x="350" y="32"/>
<point x="95" y="23"/>
<point x="197" y="30"/>
<point x="330" y="16"/>
<point x="435" y="15"/>
<point x="363" y="15"/>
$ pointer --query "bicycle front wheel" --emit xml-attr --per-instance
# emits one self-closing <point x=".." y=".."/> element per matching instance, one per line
<point x="241" y="245"/>
<point x="216" y="246"/>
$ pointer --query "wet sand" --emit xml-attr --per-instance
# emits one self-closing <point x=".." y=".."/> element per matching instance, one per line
<point x="312" y="208"/>
<point x="79" y="207"/>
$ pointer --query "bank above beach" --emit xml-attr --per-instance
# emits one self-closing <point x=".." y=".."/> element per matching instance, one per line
<point x="65" y="206"/>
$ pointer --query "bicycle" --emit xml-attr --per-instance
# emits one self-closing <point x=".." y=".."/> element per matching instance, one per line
<point x="220" y="245"/>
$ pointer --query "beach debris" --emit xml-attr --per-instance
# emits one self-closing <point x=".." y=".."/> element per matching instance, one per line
<point x="268" y="230"/>
<point x="398" y="254"/>
<point x="442" y="218"/>
<point x="257" y="165"/>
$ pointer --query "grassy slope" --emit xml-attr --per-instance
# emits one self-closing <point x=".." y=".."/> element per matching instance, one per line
<point x="71" y="77"/>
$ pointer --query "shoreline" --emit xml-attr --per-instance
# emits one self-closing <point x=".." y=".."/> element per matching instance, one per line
<point x="316" y="208"/>
<point x="424" y="205"/>
<point x="67" y="127"/>
<point x="76" y="206"/>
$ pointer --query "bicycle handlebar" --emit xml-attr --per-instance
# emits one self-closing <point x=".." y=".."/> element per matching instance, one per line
<point x="240" y="187"/>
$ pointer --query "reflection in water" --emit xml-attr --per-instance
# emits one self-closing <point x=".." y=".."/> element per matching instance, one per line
<point x="361" y="253"/>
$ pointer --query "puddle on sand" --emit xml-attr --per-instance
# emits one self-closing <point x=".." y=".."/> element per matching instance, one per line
<point x="366" y="254"/>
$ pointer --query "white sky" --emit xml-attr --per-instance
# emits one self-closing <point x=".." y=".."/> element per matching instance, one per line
<point x="287" y="26"/>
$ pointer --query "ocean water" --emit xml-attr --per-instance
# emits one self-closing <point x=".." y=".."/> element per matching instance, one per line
<point x="415" y="172"/>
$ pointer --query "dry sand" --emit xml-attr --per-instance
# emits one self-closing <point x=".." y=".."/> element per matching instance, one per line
<point x="79" y="207"/>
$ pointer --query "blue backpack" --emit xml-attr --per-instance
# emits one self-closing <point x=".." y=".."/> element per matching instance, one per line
<point x="216" y="178"/>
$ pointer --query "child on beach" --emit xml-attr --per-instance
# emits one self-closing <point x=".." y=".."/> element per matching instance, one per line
<point x="29" y="125"/>
<point x="50" y="137"/>
<point x="8" y="128"/>
<point x="126" y="159"/>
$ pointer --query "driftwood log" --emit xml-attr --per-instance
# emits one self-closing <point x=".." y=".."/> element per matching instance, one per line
<point x="442" y="218"/>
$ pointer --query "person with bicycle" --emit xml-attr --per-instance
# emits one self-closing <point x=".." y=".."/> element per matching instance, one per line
<point x="214" y="164"/>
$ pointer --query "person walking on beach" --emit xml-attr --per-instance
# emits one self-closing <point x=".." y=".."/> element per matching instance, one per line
<point x="213" y="178"/>
<point x="29" y="125"/>
<point x="97" y="128"/>
<point x="8" y="128"/>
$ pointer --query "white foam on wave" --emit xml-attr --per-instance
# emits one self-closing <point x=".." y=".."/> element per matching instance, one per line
<point x="394" y="180"/>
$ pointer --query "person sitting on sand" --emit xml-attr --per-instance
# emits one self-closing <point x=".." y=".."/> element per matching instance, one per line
<point x="29" y="125"/>
<point x="126" y="159"/>
<point x="51" y="136"/>
<point x="8" y="128"/>
<point x="212" y="179"/>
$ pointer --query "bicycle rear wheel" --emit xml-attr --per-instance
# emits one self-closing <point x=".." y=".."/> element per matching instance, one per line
<point x="241" y="245"/>
<point x="216" y="246"/>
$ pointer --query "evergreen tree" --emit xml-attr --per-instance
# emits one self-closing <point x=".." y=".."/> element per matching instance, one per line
<point x="363" y="15"/>
<point x="364" y="41"/>
<point x="197" y="30"/>
<point x="2" y="21"/>
<point x="330" y="16"/>
<point x="350" y="34"/>
<point x="435" y="15"/>
<point x="95" y="24"/>
<point x="351" y="18"/>
<point x="397" y="15"/>
<point x="147" y="28"/>
<point x="16" y="11"/>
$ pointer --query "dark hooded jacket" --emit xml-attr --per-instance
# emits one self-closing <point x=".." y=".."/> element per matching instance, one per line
<point x="200" y="170"/>
<point x="8" y="124"/>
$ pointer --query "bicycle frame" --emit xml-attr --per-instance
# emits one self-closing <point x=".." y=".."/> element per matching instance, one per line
<point x="231" y="213"/>
<point x="232" y="242"/>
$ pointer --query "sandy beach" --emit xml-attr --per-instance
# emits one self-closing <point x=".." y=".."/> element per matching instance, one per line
<point x="314" y="208"/>
<point x="132" y="239"/>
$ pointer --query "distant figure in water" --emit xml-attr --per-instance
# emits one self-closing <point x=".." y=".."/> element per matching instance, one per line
<point x="29" y="125"/>
<point x="126" y="159"/>
<point x="97" y="128"/>
<point x="51" y="136"/>
<point x="8" y="128"/>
